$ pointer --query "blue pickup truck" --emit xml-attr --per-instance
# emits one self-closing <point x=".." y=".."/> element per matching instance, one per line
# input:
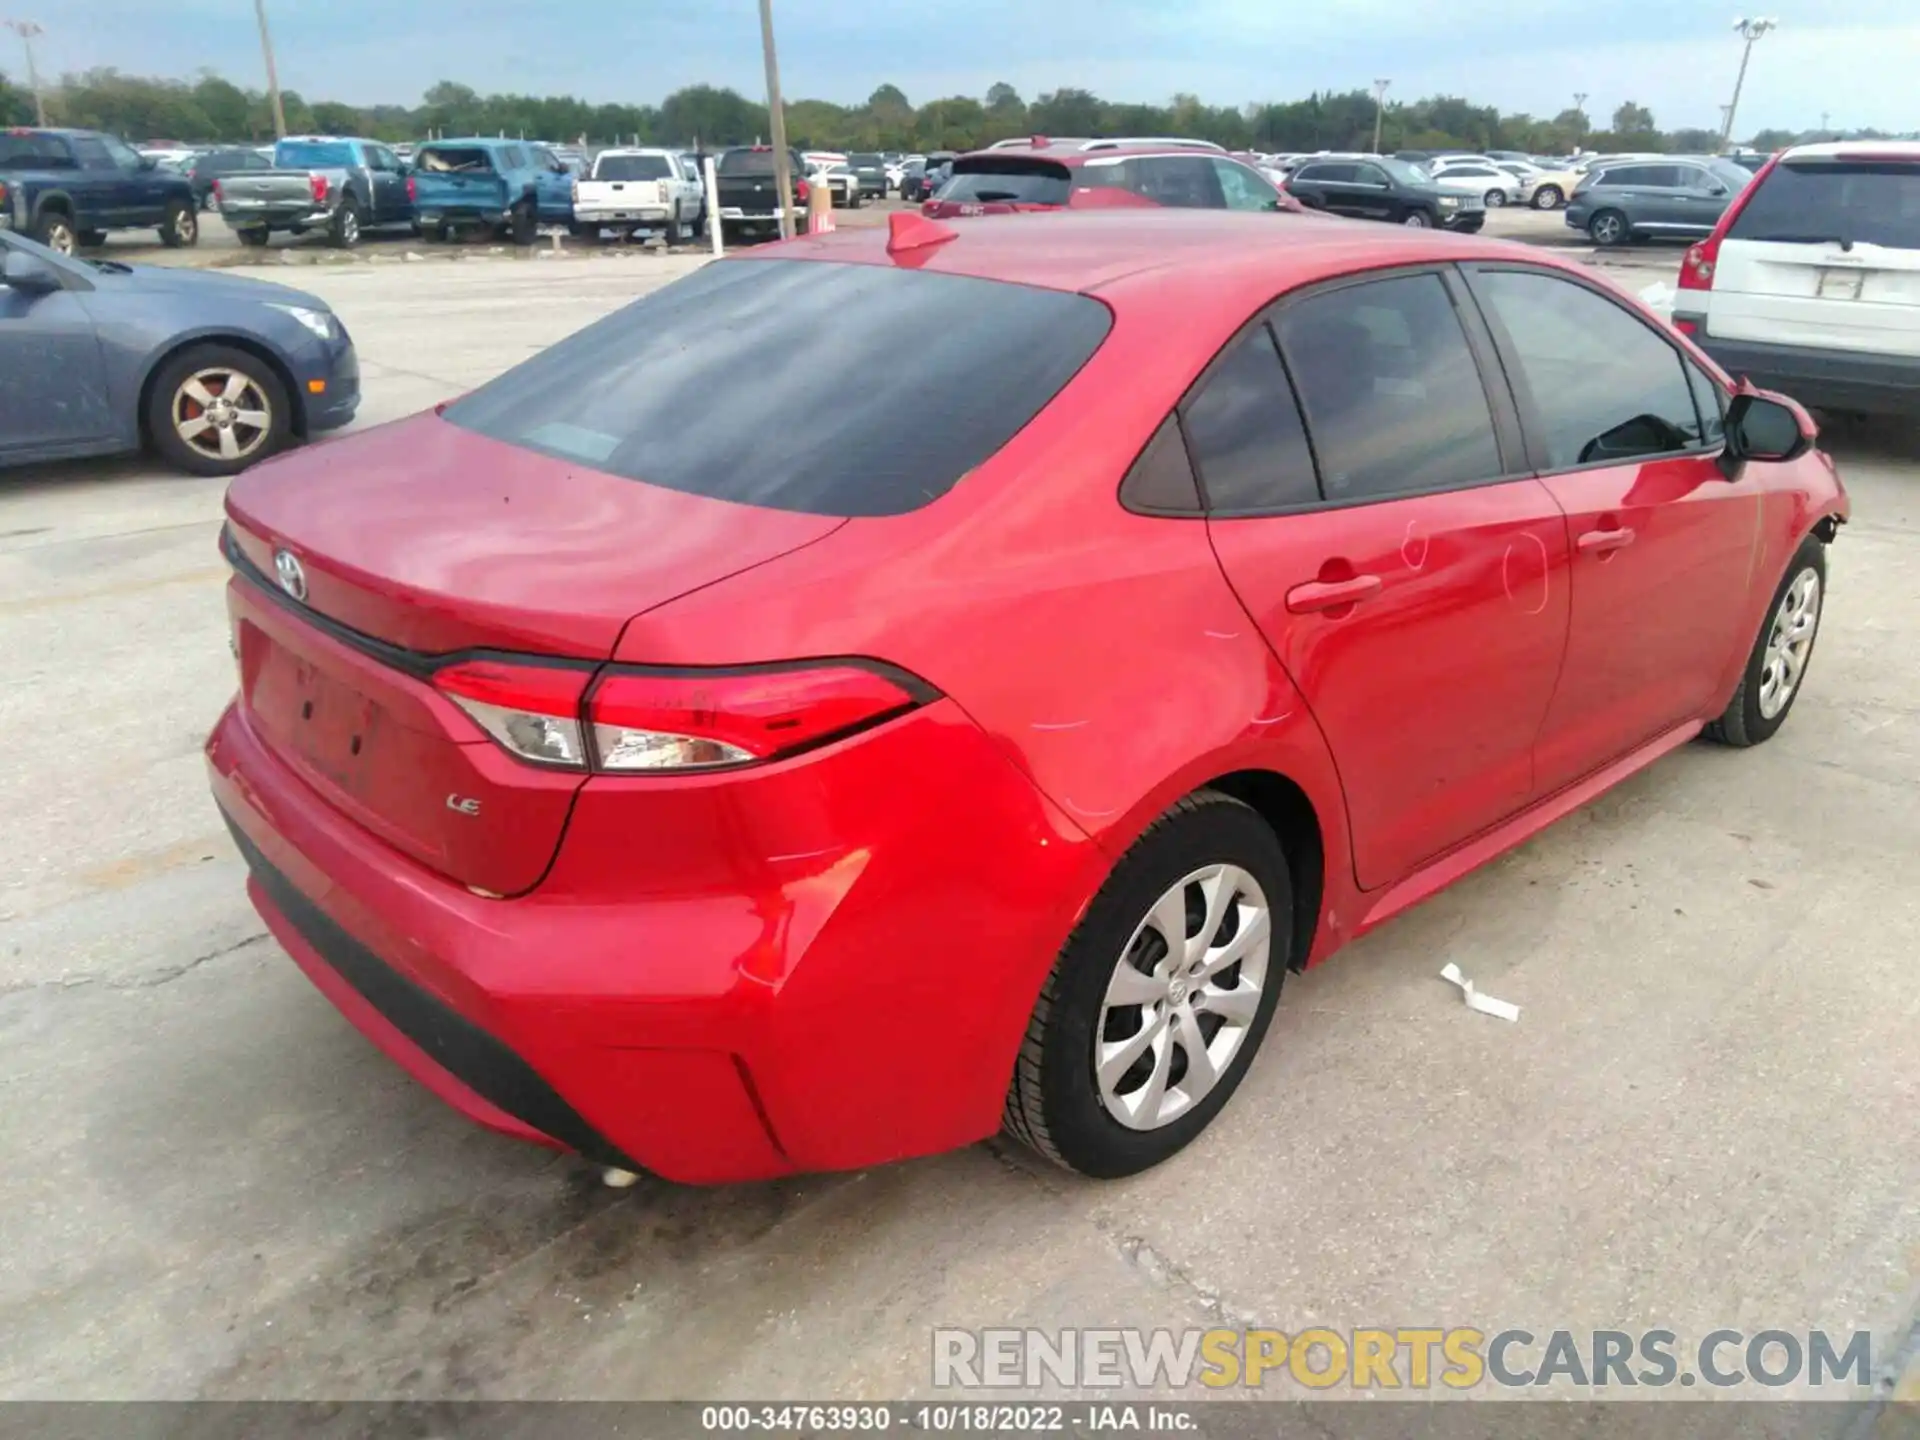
<point x="511" y="186"/>
<point x="68" y="188"/>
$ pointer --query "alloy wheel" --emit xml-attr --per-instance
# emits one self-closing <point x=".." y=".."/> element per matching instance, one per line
<point x="1495" y="199"/>
<point x="1182" y="997"/>
<point x="350" y="227"/>
<point x="1789" y="642"/>
<point x="186" y="226"/>
<point x="1416" y="220"/>
<point x="58" y="236"/>
<point x="1608" y="230"/>
<point x="222" y="413"/>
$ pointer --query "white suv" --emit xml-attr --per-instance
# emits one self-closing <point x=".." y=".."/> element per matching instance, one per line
<point x="1811" y="281"/>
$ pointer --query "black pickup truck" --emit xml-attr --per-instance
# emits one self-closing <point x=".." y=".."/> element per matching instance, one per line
<point x="749" y="198"/>
<point x="68" y="188"/>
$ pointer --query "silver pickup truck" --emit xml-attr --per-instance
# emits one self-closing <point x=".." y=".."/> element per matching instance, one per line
<point x="343" y="187"/>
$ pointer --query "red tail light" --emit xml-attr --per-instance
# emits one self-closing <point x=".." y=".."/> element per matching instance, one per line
<point x="1697" y="266"/>
<point x="3" y="192"/>
<point x="216" y="192"/>
<point x="663" y="721"/>
<point x="413" y="190"/>
<point x="318" y="184"/>
<point x="800" y="192"/>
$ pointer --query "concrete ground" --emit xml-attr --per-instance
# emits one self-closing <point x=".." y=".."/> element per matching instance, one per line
<point x="1708" y="1114"/>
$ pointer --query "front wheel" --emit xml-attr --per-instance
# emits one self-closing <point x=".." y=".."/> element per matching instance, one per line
<point x="215" y="410"/>
<point x="1608" y="228"/>
<point x="1547" y="197"/>
<point x="1417" y="220"/>
<point x="522" y="226"/>
<point x="1778" y="662"/>
<point x="1158" y="1002"/>
<point x="181" y="228"/>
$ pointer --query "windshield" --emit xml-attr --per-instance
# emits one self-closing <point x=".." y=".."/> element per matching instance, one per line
<point x="675" y="390"/>
<point x="632" y="167"/>
<point x="1003" y="178"/>
<point x="1855" y="202"/>
<point x="308" y="154"/>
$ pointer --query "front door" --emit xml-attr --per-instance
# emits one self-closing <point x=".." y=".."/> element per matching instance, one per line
<point x="1415" y="596"/>
<point x="53" y="382"/>
<point x="1664" y="544"/>
<point x="389" y="186"/>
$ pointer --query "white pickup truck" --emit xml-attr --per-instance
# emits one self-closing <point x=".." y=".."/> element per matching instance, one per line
<point x="638" y="192"/>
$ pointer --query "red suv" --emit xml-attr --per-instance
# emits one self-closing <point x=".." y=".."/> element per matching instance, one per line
<point x="659" y="757"/>
<point x="1102" y="173"/>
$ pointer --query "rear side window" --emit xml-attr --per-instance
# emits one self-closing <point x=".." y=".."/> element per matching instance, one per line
<point x="312" y="154"/>
<point x="1161" y="480"/>
<point x="1604" y="386"/>
<point x="1246" y="434"/>
<point x="632" y="167"/>
<point x="1855" y="202"/>
<point x="34" y="152"/>
<point x="679" y="390"/>
<point x="1009" y="178"/>
<point x="453" y="159"/>
<point x="1391" y="391"/>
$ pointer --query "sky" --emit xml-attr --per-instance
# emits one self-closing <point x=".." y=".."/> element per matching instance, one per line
<point x="1853" y="65"/>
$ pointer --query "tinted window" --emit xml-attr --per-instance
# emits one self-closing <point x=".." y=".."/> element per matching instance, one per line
<point x="1333" y="174"/>
<point x="1243" y="189"/>
<point x="91" y="154"/>
<point x="677" y="390"/>
<point x="1183" y="182"/>
<point x="752" y="162"/>
<point x="1403" y="172"/>
<point x="1642" y="175"/>
<point x="1246" y="434"/>
<point x="312" y="154"/>
<point x="514" y="158"/>
<point x="122" y="154"/>
<point x="33" y="152"/>
<point x="226" y="162"/>
<point x="1008" y="177"/>
<point x="1604" y="385"/>
<point x="1370" y="175"/>
<point x="1161" y="480"/>
<point x="1710" y="401"/>
<point x="1862" y="202"/>
<point x="632" y="167"/>
<point x="1391" y="391"/>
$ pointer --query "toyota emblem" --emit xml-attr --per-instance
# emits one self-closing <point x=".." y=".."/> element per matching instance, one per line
<point x="293" y="578"/>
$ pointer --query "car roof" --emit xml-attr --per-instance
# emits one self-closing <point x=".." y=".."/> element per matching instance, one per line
<point x="1241" y="258"/>
<point x="1856" y="150"/>
<point x="1075" y="159"/>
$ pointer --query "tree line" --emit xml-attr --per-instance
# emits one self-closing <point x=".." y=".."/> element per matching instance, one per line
<point x="211" y="108"/>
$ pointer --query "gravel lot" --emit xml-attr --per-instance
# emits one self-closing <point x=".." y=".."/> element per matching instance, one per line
<point x="1708" y="1115"/>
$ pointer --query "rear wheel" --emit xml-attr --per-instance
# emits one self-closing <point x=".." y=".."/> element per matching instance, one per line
<point x="1547" y="197"/>
<point x="1495" y="199"/>
<point x="1159" y="1000"/>
<point x="344" y="229"/>
<point x="1609" y="228"/>
<point x="214" y="410"/>
<point x="255" y="237"/>
<point x="181" y="228"/>
<point x="1778" y="662"/>
<point x="54" y="229"/>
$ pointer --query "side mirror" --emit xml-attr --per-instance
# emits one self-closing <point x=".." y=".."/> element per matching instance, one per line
<point x="29" y="274"/>
<point x="1764" y="427"/>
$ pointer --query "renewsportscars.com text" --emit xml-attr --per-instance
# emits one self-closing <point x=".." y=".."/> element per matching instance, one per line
<point x="1402" y="1358"/>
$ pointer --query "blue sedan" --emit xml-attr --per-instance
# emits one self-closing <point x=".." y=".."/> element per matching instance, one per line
<point x="212" y="371"/>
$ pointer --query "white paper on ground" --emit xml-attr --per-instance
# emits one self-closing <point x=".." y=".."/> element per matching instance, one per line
<point x="1485" y="1004"/>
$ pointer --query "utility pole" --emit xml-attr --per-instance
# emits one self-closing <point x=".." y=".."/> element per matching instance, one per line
<point x="777" y="117"/>
<point x="1749" y="30"/>
<point x="273" y="76"/>
<point x="1379" y="110"/>
<point x="26" y="30"/>
<point x="1824" y="114"/>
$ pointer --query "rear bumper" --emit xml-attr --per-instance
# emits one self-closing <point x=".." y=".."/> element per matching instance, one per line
<point x="462" y="215"/>
<point x="850" y="987"/>
<point x="1826" y="379"/>
<point x="304" y="216"/>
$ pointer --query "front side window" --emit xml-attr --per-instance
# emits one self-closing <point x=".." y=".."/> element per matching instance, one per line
<point x="1245" y="431"/>
<point x="1370" y="175"/>
<point x="1604" y="386"/>
<point x="1243" y="189"/>
<point x="123" y="155"/>
<point x="1391" y="390"/>
<point x="91" y="154"/>
<point x="1181" y="182"/>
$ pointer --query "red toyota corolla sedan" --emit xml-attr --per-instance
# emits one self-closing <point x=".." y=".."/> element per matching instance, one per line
<point x="664" y="753"/>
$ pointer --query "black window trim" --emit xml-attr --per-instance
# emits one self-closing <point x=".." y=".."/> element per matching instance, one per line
<point x="1532" y="426"/>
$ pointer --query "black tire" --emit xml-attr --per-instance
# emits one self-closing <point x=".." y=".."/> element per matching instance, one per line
<point x="522" y="225"/>
<point x="1548" y="197"/>
<point x="175" y="370"/>
<point x="434" y="234"/>
<point x="92" y="239"/>
<point x="1744" y="722"/>
<point x="343" y="230"/>
<point x="1495" y="199"/>
<point x="54" y="229"/>
<point x="181" y="229"/>
<point x="254" y="237"/>
<point x="1416" y="219"/>
<point x="1053" y="1102"/>
<point x="1609" y="228"/>
<point x="676" y="232"/>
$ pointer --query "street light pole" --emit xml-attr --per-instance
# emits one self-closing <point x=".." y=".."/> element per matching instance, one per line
<point x="1379" y="110"/>
<point x="273" y="76"/>
<point x="26" y="30"/>
<point x="1749" y="30"/>
<point x="777" y="119"/>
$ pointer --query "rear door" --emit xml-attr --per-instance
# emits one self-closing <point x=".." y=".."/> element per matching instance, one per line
<point x="1664" y="544"/>
<point x="1410" y="580"/>
<point x="1825" y="253"/>
<point x="1699" y="198"/>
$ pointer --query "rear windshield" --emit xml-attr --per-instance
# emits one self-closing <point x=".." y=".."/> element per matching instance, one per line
<point x="301" y="154"/>
<point x="866" y="162"/>
<point x="1855" y="202"/>
<point x="34" y="152"/>
<point x="632" y="167"/>
<point x="744" y="382"/>
<point x="1003" y="177"/>
<point x="453" y="159"/>
<point x="746" y="162"/>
